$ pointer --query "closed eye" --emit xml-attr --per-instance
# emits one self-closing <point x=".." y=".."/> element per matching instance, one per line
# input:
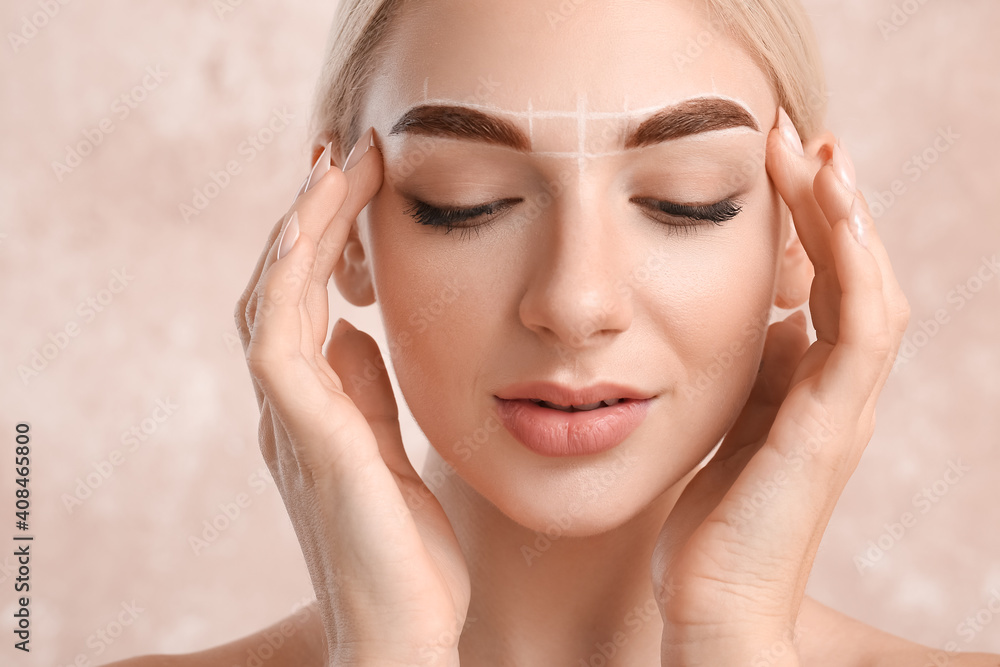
<point x="719" y="212"/>
<point x="674" y="216"/>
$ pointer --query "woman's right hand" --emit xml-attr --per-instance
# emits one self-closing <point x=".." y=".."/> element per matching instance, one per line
<point x="391" y="582"/>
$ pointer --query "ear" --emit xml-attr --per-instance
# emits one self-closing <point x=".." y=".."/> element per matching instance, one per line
<point x="353" y="272"/>
<point x="795" y="270"/>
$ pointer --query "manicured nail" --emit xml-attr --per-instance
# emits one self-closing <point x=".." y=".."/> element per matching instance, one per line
<point x="342" y="326"/>
<point x="789" y="133"/>
<point x="289" y="235"/>
<point x="319" y="169"/>
<point x="798" y="318"/>
<point x="843" y="167"/>
<point x="359" y="149"/>
<point x="856" y="222"/>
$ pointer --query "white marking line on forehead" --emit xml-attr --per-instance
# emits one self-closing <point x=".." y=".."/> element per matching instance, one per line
<point x="580" y="114"/>
<point x="531" y="127"/>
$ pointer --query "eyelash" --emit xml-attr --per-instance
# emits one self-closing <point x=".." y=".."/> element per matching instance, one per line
<point x="698" y="215"/>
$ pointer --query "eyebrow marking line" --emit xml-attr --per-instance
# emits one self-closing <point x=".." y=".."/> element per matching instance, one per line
<point x="557" y="113"/>
<point x="662" y="125"/>
<point x="531" y="129"/>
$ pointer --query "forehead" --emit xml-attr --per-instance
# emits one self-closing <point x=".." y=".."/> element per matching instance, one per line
<point x="555" y="66"/>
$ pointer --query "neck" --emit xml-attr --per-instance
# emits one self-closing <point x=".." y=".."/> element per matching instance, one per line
<point x="542" y="599"/>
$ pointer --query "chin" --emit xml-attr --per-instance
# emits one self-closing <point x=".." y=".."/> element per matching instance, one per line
<point x="558" y="498"/>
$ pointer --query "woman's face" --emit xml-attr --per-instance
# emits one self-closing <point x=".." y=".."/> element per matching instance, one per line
<point x="580" y="276"/>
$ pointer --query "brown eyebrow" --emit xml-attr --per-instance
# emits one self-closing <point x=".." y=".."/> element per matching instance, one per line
<point x="690" y="117"/>
<point x="681" y="120"/>
<point x="461" y="123"/>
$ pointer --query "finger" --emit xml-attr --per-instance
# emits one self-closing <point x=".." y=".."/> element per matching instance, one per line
<point x="361" y="182"/>
<point x="364" y="179"/>
<point x="793" y="175"/>
<point x="865" y="339"/>
<point x="836" y="198"/>
<point x="355" y="357"/>
<point x="240" y="313"/>
<point x="321" y="427"/>
<point x="303" y="202"/>
<point x="276" y="341"/>
<point x="247" y="301"/>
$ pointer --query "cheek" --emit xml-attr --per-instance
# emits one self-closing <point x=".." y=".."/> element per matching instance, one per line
<point x="717" y="320"/>
<point x="439" y="316"/>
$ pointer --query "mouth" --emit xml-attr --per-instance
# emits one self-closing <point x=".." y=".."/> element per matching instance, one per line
<point x="607" y="403"/>
<point x="556" y="420"/>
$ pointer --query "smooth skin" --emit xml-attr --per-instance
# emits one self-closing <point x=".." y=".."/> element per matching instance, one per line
<point x="416" y="581"/>
<point x="402" y="570"/>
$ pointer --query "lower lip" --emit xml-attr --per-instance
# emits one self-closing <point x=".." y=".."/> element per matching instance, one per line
<point x="551" y="432"/>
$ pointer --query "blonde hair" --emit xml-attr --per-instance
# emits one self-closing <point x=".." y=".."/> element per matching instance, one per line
<point x="776" y="33"/>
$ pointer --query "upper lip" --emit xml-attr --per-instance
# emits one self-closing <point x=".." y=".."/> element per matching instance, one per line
<point x="563" y="395"/>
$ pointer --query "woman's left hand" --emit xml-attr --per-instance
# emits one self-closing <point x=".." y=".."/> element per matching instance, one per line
<point x="731" y="563"/>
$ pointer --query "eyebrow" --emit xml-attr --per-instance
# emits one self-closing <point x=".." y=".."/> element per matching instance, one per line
<point x="681" y="120"/>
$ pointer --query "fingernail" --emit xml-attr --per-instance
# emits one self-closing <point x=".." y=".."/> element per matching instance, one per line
<point x="798" y="318"/>
<point x="856" y="221"/>
<point x="789" y="133"/>
<point x="319" y="169"/>
<point x="342" y="326"/>
<point x="843" y="168"/>
<point x="289" y="235"/>
<point x="359" y="149"/>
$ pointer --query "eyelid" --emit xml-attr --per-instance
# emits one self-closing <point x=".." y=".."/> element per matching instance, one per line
<point x="716" y="212"/>
<point x="454" y="216"/>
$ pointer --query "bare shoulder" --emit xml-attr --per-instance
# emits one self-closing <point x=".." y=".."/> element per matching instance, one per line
<point x="295" y="641"/>
<point x="829" y="638"/>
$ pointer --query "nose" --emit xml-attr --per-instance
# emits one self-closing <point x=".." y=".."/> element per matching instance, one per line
<point x="579" y="293"/>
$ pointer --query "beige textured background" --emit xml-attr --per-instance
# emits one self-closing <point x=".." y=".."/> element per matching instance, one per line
<point x="168" y="335"/>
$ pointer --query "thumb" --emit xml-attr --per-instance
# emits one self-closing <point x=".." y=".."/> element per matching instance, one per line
<point x="355" y="358"/>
